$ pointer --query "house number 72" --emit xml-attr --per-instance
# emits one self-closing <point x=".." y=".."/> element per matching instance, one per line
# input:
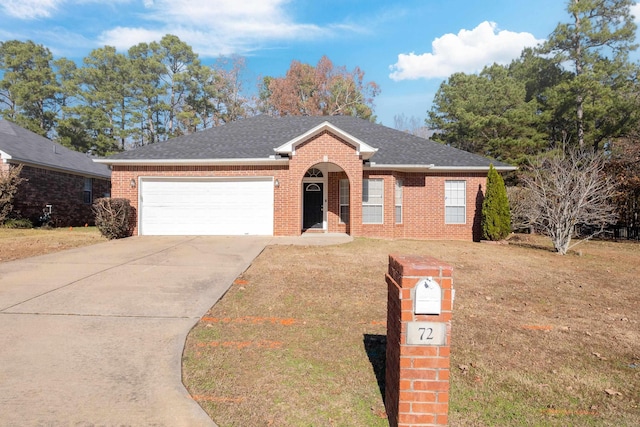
<point x="426" y="334"/>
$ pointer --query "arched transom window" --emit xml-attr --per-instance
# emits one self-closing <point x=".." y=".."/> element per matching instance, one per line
<point x="313" y="173"/>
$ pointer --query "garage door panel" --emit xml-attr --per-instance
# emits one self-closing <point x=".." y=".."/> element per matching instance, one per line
<point x="207" y="207"/>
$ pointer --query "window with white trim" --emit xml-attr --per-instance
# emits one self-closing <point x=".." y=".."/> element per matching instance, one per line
<point x="344" y="201"/>
<point x="372" y="201"/>
<point x="455" y="202"/>
<point x="87" y="193"/>
<point x="398" y="197"/>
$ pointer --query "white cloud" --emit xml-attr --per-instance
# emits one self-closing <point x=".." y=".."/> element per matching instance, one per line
<point x="216" y="27"/>
<point x="30" y="9"/>
<point x="635" y="11"/>
<point x="468" y="51"/>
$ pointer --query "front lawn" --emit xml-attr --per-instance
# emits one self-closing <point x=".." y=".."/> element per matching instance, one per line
<point x="23" y="243"/>
<point x="538" y="338"/>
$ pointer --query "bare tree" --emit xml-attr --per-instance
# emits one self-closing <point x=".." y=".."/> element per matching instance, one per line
<point x="523" y="214"/>
<point x="412" y="125"/>
<point x="569" y="190"/>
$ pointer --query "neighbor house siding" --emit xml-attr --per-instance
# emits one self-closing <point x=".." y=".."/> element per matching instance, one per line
<point x="64" y="191"/>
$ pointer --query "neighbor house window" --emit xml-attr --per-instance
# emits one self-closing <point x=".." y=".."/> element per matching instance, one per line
<point x="344" y="201"/>
<point x="87" y="194"/>
<point x="398" y="201"/>
<point x="455" y="206"/>
<point x="372" y="201"/>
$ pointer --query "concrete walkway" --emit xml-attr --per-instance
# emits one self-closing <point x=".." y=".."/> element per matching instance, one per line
<point x="94" y="336"/>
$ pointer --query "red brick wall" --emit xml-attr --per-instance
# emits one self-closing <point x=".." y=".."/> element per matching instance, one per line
<point x="423" y="201"/>
<point x="423" y="206"/>
<point x="416" y="376"/>
<point x="64" y="191"/>
<point x="326" y="148"/>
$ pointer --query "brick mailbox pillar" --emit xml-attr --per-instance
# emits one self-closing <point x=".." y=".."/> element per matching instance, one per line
<point x="418" y="339"/>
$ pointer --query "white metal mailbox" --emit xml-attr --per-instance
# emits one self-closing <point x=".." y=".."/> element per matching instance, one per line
<point x="428" y="297"/>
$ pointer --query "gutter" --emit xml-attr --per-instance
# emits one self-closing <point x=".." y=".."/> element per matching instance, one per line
<point x="434" y="168"/>
<point x="193" y="162"/>
<point x="87" y="174"/>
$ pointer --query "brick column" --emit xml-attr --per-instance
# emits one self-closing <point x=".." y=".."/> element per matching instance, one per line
<point x="417" y="373"/>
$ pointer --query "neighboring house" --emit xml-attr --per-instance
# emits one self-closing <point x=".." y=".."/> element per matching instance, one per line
<point x="283" y="176"/>
<point x="66" y="180"/>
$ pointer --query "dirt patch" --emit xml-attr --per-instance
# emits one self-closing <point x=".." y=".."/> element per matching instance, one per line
<point x="538" y="338"/>
<point x="18" y="244"/>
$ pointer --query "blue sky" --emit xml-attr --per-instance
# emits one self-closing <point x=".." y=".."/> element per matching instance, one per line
<point x="408" y="47"/>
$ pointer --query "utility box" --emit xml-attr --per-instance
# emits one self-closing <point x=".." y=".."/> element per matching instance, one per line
<point x="428" y="298"/>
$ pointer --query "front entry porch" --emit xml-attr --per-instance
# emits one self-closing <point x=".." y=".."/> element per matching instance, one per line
<point x="323" y="188"/>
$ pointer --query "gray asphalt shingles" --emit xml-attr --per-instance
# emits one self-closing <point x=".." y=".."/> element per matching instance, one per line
<point x="256" y="138"/>
<point x="27" y="147"/>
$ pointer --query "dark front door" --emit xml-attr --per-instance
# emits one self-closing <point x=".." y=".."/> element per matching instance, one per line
<point x="312" y="205"/>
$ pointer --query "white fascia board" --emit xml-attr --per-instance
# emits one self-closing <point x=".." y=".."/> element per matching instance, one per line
<point x="363" y="149"/>
<point x="433" y="168"/>
<point x="403" y="168"/>
<point x="56" y="168"/>
<point x="192" y="162"/>
<point x="472" y="168"/>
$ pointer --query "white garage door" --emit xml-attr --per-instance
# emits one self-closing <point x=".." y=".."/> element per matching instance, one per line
<point x="212" y="206"/>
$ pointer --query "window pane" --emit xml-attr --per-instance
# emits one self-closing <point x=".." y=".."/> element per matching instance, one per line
<point x="398" y="191"/>
<point x="344" y="214"/>
<point x="371" y="214"/>
<point x="454" y="193"/>
<point x="398" y="214"/>
<point x="455" y="202"/>
<point x="372" y="191"/>
<point x="455" y="215"/>
<point x="344" y="191"/>
<point x="372" y="201"/>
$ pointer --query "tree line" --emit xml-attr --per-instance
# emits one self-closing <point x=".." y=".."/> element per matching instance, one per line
<point x="567" y="112"/>
<point x="115" y="101"/>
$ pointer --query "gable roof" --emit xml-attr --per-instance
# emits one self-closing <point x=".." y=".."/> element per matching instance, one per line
<point x="19" y="145"/>
<point x="260" y="139"/>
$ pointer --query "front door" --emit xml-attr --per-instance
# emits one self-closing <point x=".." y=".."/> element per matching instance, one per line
<point x="313" y="196"/>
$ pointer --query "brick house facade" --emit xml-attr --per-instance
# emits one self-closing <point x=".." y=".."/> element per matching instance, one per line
<point x="399" y="197"/>
<point x="70" y="195"/>
<point x="66" y="180"/>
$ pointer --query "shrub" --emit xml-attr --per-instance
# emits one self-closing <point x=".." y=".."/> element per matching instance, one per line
<point x="496" y="218"/>
<point x="9" y="181"/>
<point x="112" y="217"/>
<point x="18" y="223"/>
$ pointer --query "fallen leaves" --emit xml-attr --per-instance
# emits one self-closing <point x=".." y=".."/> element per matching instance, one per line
<point x="612" y="392"/>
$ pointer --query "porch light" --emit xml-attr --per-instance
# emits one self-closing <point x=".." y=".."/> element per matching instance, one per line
<point x="276" y="183"/>
<point x="132" y="183"/>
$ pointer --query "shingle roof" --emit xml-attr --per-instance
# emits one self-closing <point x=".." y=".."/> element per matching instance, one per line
<point x="256" y="138"/>
<point x="24" y="146"/>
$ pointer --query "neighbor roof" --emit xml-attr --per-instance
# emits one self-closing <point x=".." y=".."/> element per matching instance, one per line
<point x="18" y="145"/>
<point x="257" y="138"/>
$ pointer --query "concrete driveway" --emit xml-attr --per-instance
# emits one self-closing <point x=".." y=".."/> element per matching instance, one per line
<point x="94" y="336"/>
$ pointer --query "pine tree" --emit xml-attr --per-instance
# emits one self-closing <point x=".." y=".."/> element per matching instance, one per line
<point x="496" y="218"/>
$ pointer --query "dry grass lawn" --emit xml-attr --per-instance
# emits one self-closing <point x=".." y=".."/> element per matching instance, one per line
<point x="538" y="338"/>
<point x="24" y="243"/>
